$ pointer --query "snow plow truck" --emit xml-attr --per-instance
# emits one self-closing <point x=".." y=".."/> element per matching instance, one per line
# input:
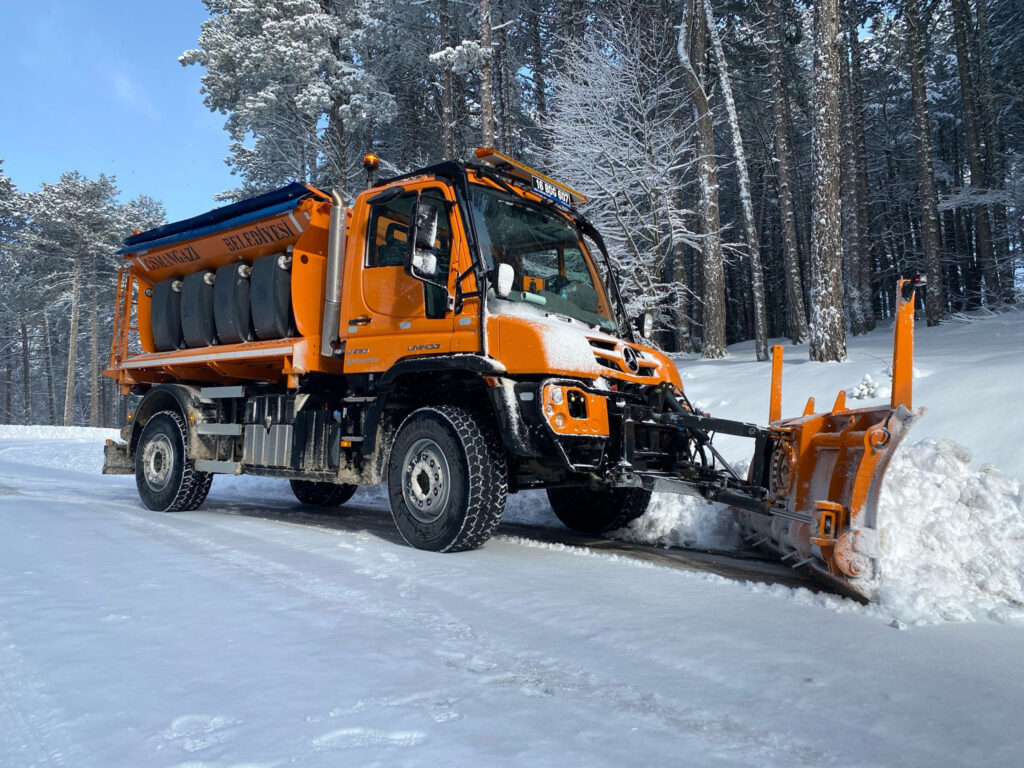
<point x="458" y="334"/>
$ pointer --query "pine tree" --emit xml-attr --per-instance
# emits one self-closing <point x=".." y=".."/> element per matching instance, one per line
<point x="828" y="332"/>
<point x="935" y="298"/>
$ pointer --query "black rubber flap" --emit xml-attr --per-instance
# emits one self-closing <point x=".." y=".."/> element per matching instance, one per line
<point x="270" y="296"/>
<point x="231" y="312"/>
<point x="165" y="316"/>
<point x="197" y="326"/>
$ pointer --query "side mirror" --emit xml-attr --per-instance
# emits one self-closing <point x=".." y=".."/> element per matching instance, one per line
<point x="420" y="263"/>
<point x="506" y="276"/>
<point x="645" y="324"/>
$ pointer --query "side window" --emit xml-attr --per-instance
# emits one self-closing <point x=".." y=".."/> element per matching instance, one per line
<point x="388" y="232"/>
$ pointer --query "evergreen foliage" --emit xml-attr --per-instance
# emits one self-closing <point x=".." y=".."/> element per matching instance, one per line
<point x="734" y="207"/>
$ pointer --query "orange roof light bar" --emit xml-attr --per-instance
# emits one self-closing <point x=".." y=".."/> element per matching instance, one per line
<point x="536" y="179"/>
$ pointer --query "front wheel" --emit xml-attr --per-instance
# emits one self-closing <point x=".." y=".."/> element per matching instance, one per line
<point x="166" y="478"/>
<point x="447" y="479"/>
<point x="598" y="511"/>
<point x="317" y="494"/>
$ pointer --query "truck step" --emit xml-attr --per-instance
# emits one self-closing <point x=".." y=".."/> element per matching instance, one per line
<point x="219" y="467"/>
<point x="359" y="399"/>
<point x="232" y="430"/>
<point x="214" y="393"/>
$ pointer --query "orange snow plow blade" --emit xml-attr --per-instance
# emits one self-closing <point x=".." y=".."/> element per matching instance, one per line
<point x="825" y="472"/>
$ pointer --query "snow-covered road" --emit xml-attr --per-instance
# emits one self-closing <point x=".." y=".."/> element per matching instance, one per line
<point x="131" y="638"/>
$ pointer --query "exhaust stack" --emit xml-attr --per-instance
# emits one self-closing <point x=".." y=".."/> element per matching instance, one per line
<point x="330" y="343"/>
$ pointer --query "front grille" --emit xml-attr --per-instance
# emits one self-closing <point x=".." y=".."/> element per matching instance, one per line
<point x="609" y="354"/>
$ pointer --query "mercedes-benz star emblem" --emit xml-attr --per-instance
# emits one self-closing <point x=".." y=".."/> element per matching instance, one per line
<point x="630" y="359"/>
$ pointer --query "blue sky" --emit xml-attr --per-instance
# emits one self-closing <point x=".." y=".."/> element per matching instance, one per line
<point x="95" y="86"/>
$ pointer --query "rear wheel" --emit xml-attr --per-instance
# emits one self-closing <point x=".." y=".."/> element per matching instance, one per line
<point x="166" y="478"/>
<point x="447" y="479"/>
<point x="321" y="494"/>
<point x="589" y="511"/>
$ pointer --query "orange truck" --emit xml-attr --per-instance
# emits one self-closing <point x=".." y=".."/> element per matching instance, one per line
<point x="458" y="334"/>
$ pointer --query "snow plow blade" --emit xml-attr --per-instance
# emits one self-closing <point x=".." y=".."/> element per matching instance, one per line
<point x="824" y="473"/>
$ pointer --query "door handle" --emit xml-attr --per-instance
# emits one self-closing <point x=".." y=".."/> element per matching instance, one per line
<point x="362" y="320"/>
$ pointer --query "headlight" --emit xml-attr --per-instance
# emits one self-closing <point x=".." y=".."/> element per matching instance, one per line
<point x="556" y="395"/>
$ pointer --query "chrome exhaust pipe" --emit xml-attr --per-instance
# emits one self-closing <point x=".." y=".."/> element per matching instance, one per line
<point x="330" y="340"/>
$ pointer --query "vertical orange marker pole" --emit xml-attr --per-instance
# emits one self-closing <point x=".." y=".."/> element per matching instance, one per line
<point x="903" y="348"/>
<point x="775" y="407"/>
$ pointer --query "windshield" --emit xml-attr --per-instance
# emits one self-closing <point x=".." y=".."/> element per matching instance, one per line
<point x="552" y="269"/>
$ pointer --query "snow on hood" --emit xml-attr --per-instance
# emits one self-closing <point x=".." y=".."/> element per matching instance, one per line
<point x="565" y="340"/>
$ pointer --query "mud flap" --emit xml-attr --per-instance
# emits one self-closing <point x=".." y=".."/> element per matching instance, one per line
<point x="115" y="459"/>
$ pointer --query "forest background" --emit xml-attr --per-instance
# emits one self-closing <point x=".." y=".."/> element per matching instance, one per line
<point x="759" y="169"/>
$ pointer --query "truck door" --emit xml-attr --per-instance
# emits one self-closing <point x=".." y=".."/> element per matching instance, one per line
<point x="391" y="315"/>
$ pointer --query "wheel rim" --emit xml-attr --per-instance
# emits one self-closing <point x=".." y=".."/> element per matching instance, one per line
<point x="425" y="480"/>
<point x="158" y="462"/>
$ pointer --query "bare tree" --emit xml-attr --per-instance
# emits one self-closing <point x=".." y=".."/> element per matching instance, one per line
<point x="691" y="51"/>
<point x="619" y="125"/>
<point x="746" y="202"/>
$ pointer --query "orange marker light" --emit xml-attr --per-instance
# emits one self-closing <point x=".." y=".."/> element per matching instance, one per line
<point x="371" y="162"/>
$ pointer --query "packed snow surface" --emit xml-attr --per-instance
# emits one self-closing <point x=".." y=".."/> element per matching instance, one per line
<point x="217" y="638"/>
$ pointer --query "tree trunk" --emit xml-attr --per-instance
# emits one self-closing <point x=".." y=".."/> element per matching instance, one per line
<point x="828" y="332"/>
<point x="691" y="53"/>
<point x="746" y="203"/>
<point x="854" y="247"/>
<point x="486" y="77"/>
<point x="796" y="314"/>
<point x="868" y="239"/>
<point x="994" y="148"/>
<point x="26" y="372"/>
<point x="982" y="224"/>
<point x="935" y="302"/>
<point x="95" y="414"/>
<point x="8" y="388"/>
<point x="447" y="97"/>
<point x="51" y="394"/>
<point x="537" y="65"/>
<point x="69" y="390"/>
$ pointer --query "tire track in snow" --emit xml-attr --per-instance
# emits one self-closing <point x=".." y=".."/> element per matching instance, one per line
<point x="26" y="714"/>
<point x="478" y="659"/>
<point x="488" y="661"/>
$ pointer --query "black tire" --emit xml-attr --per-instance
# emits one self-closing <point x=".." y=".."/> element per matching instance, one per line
<point x="598" y="511"/>
<point x="447" y="479"/>
<point x="321" y="494"/>
<point x="166" y="478"/>
<point x="165" y="316"/>
<point x="270" y="297"/>
<point x="232" y="314"/>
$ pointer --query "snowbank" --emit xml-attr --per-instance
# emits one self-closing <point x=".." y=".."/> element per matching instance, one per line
<point x="952" y="538"/>
<point x="41" y="432"/>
